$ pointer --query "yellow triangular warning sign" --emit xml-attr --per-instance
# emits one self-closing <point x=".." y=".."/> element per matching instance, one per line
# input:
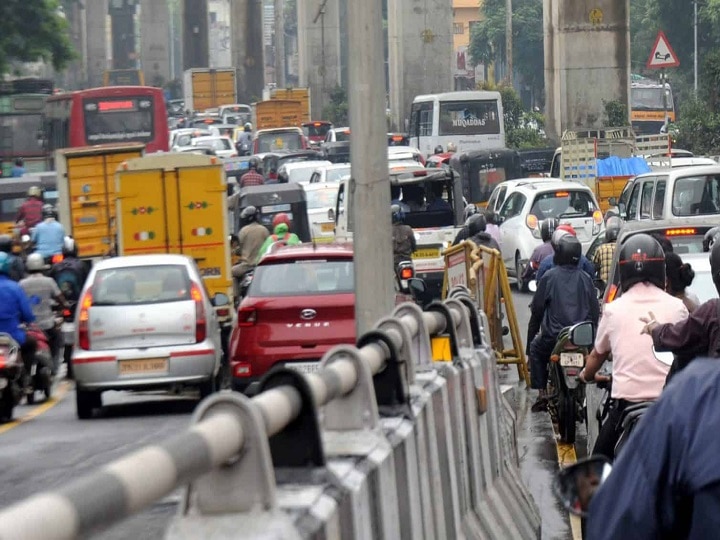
<point x="662" y="55"/>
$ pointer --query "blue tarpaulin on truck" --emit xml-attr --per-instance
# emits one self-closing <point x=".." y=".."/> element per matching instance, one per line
<point x="615" y="166"/>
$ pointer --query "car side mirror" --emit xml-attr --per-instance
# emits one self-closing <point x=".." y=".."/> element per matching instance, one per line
<point x="576" y="485"/>
<point x="220" y="299"/>
<point x="582" y="334"/>
<point x="532" y="286"/>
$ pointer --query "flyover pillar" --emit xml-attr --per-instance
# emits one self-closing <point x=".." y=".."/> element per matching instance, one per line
<point x="248" y="55"/>
<point x="97" y="30"/>
<point x="154" y="54"/>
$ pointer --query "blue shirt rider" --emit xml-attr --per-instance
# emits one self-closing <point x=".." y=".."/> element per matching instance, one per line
<point x="14" y="304"/>
<point x="49" y="235"/>
<point x="18" y="169"/>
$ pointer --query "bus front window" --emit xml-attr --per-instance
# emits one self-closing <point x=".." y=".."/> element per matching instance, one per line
<point x="469" y="118"/>
<point x="119" y="120"/>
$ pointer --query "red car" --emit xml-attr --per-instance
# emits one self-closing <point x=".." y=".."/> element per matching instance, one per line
<point x="301" y="303"/>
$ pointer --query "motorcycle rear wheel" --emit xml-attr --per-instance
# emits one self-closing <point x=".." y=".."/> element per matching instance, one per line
<point x="7" y="404"/>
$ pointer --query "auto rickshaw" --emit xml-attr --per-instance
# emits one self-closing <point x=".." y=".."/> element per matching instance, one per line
<point x="482" y="170"/>
<point x="270" y="200"/>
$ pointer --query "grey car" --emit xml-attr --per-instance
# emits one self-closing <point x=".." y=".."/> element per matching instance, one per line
<point x="144" y="322"/>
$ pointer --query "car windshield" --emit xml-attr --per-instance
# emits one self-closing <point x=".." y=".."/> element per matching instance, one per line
<point x="335" y="175"/>
<point x="696" y="195"/>
<point x="426" y="204"/>
<point x="141" y="285"/>
<point x="215" y="144"/>
<point x="303" y="277"/>
<point x="321" y="198"/>
<point x="284" y="140"/>
<point x="563" y="204"/>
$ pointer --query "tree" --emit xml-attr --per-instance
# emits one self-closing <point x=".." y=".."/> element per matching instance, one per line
<point x="337" y="110"/>
<point x="33" y="30"/>
<point x="522" y="129"/>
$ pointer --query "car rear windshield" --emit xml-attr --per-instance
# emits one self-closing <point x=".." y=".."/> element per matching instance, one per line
<point x="342" y="136"/>
<point x="563" y="204"/>
<point x="141" y="285"/>
<point x="272" y="142"/>
<point x="316" y="130"/>
<point x="303" y="277"/>
<point x="696" y="195"/>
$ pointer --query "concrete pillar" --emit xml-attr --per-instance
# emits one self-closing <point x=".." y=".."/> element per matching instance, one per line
<point x="420" y="50"/>
<point x="587" y="61"/>
<point x="154" y="53"/>
<point x="248" y="56"/>
<point x="96" y="16"/>
<point x="195" y="34"/>
<point x="319" y="50"/>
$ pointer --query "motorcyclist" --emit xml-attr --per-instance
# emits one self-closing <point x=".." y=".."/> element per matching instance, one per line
<point x="250" y="239"/>
<point x="436" y="203"/>
<point x="637" y="375"/>
<point x="281" y="233"/>
<point x="252" y="177"/>
<point x="49" y="235"/>
<point x="18" y="169"/>
<point x="70" y="273"/>
<point x="17" y="267"/>
<point x="14" y="310"/>
<point x="438" y="150"/>
<point x="604" y="254"/>
<point x="547" y="228"/>
<point x="463" y="234"/>
<point x="42" y="291"/>
<point x="493" y="229"/>
<point x="478" y="234"/>
<point x="565" y="296"/>
<point x="395" y="199"/>
<point x="245" y="140"/>
<point x="30" y="211"/>
<point x="403" y="237"/>
<point x="451" y="148"/>
<point x="549" y="261"/>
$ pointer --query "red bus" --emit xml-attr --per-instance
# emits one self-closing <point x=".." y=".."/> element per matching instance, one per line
<point x="110" y="114"/>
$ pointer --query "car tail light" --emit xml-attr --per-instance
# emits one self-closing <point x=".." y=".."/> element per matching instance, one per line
<point x="687" y="231"/>
<point x="247" y="317"/>
<point x="84" y="321"/>
<point x="406" y="273"/>
<point x="200" y="317"/>
<point x="242" y="370"/>
<point x="223" y="312"/>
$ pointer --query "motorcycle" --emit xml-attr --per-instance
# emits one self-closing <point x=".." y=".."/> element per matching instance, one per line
<point x="566" y="396"/>
<point x="39" y="378"/>
<point x="245" y="283"/>
<point x="10" y="376"/>
<point x="404" y="272"/>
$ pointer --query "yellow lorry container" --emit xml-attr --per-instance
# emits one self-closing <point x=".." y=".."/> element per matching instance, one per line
<point x="295" y="94"/>
<point x="176" y="203"/>
<point x="86" y="194"/>
<point x="276" y="113"/>
<point x="206" y="88"/>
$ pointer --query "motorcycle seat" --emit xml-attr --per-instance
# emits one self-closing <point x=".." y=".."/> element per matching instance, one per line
<point x="632" y="413"/>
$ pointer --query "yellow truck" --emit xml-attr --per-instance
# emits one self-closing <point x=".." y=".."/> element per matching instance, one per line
<point x="177" y="203"/>
<point x="86" y="194"/>
<point x="295" y="94"/>
<point x="206" y="88"/>
<point x="276" y="113"/>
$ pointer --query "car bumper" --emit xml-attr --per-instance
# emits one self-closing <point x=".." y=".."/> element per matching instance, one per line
<point x="260" y="365"/>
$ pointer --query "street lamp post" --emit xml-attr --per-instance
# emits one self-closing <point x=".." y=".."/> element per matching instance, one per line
<point x="695" y="39"/>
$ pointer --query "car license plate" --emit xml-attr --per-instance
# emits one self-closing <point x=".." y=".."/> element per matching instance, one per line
<point x="304" y="367"/>
<point x="572" y="359"/>
<point x="327" y="227"/>
<point x="143" y="366"/>
<point x="428" y="253"/>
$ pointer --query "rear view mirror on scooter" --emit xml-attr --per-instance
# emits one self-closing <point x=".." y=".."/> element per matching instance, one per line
<point x="666" y="357"/>
<point x="576" y="484"/>
<point x="582" y="334"/>
<point x="532" y="286"/>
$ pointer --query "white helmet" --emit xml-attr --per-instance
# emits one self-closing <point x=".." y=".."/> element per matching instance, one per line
<point x="35" y="263"/>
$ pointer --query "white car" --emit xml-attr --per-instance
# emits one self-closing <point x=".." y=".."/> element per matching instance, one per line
<point x="299" y="172"/>
<point x="321" y="199"/>
<point x="338" y="135"/>
<point x="404" y="153"/>
<point x="531" y="203"/>
<point x="223" y="146"/>
<point x="503" y="190"/>
<point x="330" y="173"/>
<point x="184" y="136"/>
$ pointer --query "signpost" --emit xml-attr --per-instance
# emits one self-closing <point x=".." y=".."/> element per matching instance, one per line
<point x="663" y="56"/>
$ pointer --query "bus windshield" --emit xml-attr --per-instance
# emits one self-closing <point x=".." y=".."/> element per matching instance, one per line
<point x="469" y="118"/>
<point x="119" y="119"/>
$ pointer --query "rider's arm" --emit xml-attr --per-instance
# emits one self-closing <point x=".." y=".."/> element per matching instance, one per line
<point x="691" y="334"/>
<point x="537" y="311"/>
<point x="601" y="350"/>
<point x="588" y="267"/>
<point x="58" y="296"/>
<point x="26" y="313"/>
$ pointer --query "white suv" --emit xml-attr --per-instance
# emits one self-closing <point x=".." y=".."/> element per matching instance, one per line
<point x="529" y="204"/>
<point x="504" y="189"/>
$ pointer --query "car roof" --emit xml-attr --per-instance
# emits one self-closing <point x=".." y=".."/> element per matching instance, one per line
<point x="684" y="171"/>
<point x="310" y="163"/>
<point x="210" y="137"/>
<point x="130" y="261"/>
<point x="524" y="181"/>
<point x="334" y="250"/>
<point x="289" y="129"/>
<point x="552" y="184"/>
<point x="318" y="186"/>
<point x="680" y="162"/>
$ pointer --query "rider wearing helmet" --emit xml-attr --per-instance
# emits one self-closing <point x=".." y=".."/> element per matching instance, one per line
<point x="565" y="296"/>
<point x="49" y="235"/>
<point x="30" y="211"/>
<point x="250" y="239"/>
<point x="477" y="232"/>
<point x="252" y="177"/>
<point x="403" y="237"/>
<point x="16" y="268"/>
<point x="604" y="254"/>
<point x="548" y="262"/>
<point x="70" y="273"/>
<point x="281" y="233"/>
<point x="14" y="310"/>
<point x="244" y="142"/>
<point x="451" y="148"/>
<point x="547" y="228"/>
<point x="637" y="375"/>
<point x="438" y="150"/>
<point x="696" y="336"/>
<point x="42" y="291"/>
<point x="470" y="210"/>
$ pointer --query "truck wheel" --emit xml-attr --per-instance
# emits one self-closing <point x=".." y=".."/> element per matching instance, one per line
<point x="521" y="285"/>
<point x="86" y="402"/>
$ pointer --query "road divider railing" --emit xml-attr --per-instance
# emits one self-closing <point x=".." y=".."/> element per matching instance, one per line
<point x="381" y="443"/>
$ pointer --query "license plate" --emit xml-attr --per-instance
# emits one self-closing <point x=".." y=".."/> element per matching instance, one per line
<point x="572" y="359"/>
<point x="304" y="367"/>
<point x="143" y="366"/>
<point x="327" y="227"/>
<point x="428" y="253"/>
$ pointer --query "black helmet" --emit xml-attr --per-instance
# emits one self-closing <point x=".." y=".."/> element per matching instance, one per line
<point x="6" y="243"/>
<point x="568" y="251"/>
<point x="249" y="214"/>
<point x="470" y="210"/>
<point x="254" y="163"/>
<point x="438" y="149"/>
<point x="612" y="228"/>
<point x="48" y="211"/>
<point x="547" y="228"/>
<point x="715" y="264"/>
<point x="283" y="177"/>
<point x="641" y="259"/>
<point x="476" y="224"/>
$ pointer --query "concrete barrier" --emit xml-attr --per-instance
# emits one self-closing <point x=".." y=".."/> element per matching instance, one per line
<point x="382" y="443"/>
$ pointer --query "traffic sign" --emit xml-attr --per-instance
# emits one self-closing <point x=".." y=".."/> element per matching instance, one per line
<point x="662" y="55"/>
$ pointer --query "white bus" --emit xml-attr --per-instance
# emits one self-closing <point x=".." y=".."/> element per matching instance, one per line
<point x="470" y="120"/>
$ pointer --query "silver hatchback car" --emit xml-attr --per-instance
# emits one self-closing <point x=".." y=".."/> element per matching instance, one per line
<point x="144" y="322"/>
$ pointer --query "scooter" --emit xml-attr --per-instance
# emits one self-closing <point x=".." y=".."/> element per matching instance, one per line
<point x="10" y="376"/>
<point x="566" y="396"/>
<point x="39" y="378"/>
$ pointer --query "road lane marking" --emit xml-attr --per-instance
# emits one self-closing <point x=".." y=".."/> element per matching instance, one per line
<point x="61" y="391"/>
<point x="566" y="457"/>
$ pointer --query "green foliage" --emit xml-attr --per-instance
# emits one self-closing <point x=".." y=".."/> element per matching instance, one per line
<point x="699" y="129"/>
<point x="337" y="110"/>
<point x="523" y="129"/>
<point x="33" y="30"/>
<point x="616" y="113"/>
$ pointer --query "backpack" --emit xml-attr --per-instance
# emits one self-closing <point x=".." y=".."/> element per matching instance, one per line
<point x="69" y="282"/>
